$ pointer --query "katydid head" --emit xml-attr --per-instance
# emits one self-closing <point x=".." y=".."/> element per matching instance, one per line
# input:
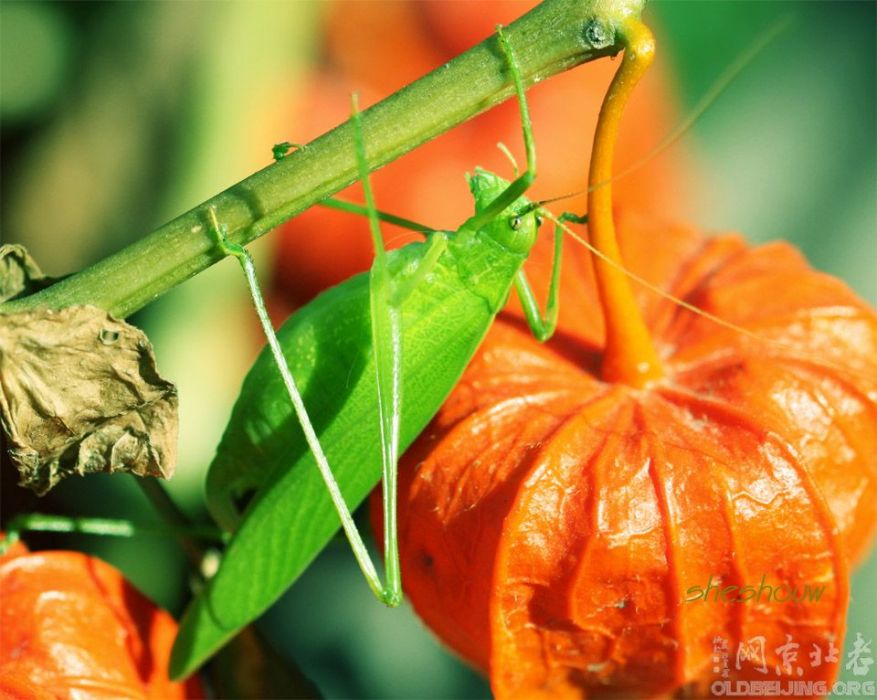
<point x="515" y="227"/>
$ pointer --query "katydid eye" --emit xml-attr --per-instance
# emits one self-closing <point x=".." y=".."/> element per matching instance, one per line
<point x="538" y="221"/>
<point x="515" y="223"/>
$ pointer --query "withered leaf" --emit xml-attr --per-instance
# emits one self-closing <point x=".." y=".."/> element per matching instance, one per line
<point x="19" y="272"/>
<point x="79" y="393"/>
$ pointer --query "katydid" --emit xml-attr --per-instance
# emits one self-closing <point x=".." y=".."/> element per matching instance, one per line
<point x="506" y="225"/>
<point x="411" y="325"/>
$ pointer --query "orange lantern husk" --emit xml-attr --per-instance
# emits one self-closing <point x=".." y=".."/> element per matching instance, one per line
<point x="659" y="499"/>
<point x="551" y="524"/>
<point x="73" y="627"/>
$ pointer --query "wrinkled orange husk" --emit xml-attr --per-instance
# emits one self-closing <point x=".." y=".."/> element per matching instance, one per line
<point x="73" y="627"/>
<point x="551" y="524"/>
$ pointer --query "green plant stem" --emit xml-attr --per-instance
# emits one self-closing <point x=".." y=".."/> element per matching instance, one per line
<point x="106" y="527"/>
<point x="551" y="38"/>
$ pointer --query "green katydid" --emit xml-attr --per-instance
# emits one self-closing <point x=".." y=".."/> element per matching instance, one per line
<point x="518" y="219"/>
<point x="444" y="293"/>
<point x="505" y="219"/>
<point x="442" y="296"/>
<point x="438" y="243"/>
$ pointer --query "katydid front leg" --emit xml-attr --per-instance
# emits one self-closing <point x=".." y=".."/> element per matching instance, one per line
<point x="543" y="326"/>
<point x="505" y="198"/>
<point x="522" y="183"/>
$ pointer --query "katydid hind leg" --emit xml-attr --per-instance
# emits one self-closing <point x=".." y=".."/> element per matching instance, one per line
<point x="386" y="297"/>
<point x="386" y="319"/>
<point x="246" y="261"/>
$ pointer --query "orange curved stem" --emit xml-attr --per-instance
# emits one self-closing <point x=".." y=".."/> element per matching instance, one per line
<point x="630" y="356"/>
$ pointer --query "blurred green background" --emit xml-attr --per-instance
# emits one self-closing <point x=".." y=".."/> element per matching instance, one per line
<point x="118" y="116"/>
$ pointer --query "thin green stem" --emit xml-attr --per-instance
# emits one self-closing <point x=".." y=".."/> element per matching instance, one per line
<point x="551" y="38"/>
<point x="41" y="522"/>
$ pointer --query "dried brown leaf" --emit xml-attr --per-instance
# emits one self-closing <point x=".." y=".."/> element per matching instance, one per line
<point x="79" y="393"/>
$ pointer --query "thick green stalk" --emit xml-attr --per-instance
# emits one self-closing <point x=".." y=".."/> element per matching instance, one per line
<point x="555" y="36"/>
